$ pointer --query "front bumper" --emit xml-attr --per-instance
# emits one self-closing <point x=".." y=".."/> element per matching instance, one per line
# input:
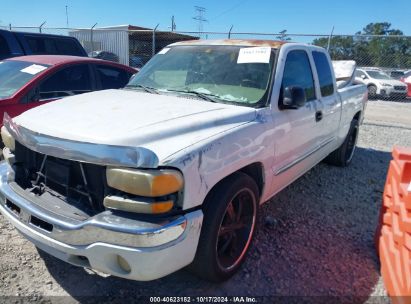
<point x="116" y="245"/>
<point x="392" y="92"/>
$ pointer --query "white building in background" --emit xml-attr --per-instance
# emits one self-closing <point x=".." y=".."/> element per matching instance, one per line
<point x="132" y="44"/>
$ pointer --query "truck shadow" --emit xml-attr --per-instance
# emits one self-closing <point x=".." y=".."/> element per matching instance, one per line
<point x="315" y="238"/>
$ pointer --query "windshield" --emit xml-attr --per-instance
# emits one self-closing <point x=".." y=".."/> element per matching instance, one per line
<point x="15" y="74"/>
<point x="232" y="74"/>
<point x="378" y="75"/>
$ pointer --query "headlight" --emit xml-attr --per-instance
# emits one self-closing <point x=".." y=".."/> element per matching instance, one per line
<point x="149" y="183"/>
<point x="386" y="85"/>
<point x="8" y="140"/>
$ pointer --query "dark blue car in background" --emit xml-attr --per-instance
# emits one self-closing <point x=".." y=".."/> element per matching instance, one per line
<point x="14" y="44"/>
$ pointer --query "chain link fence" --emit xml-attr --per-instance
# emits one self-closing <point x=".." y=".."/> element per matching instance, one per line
<point x="384" y="61"/>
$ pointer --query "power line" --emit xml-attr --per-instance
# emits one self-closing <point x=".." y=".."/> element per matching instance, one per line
<point x="229" y="10"/>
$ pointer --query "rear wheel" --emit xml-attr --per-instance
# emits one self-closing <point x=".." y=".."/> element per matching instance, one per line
<point x="343" y="155"/>
<point x="230" y="216"/>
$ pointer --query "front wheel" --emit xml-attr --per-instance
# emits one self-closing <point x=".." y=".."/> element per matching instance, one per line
<point x="342" y="157"/>
<point x="372" y="91"/>
<point x="230" y="217"/>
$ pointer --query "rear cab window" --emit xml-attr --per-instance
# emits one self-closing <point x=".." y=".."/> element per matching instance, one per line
<point x="53" y="45"/>
<point x="68" y="46"/>
<point x="325" y="77"/>
<point x="40" y="45"/>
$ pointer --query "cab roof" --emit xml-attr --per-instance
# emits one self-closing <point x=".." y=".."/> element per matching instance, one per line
<point x="237" y="42"/>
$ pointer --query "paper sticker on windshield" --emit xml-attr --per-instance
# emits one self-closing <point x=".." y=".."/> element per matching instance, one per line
<point x="163" y="51"/>
<point x="33" y="69"/>
<point x="254" y="55"/>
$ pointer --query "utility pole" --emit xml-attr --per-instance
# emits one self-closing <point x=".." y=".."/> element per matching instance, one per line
<point x="329" y="39"/>
<point x="67" y="23"/>
<point x="173" y="24"/>
<point x="200" y="18"/>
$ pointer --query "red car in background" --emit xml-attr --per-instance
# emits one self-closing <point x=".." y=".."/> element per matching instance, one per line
<point x="29" y="81"/>
<point x="406" y="78"/>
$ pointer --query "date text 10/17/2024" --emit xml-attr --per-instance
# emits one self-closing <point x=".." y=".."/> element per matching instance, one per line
<point x="203" y="299"/>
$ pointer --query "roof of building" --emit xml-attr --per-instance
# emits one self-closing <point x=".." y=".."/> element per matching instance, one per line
<point x="142" y="33"/>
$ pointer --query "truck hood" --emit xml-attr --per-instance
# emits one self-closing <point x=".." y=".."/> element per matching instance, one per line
<point x="163" y="124"/>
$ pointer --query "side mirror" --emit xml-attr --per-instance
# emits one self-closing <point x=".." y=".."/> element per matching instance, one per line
<point x="32" y="96"/>
<point x="36" y="95"/>
<point x="293" y="97"/>
<point x="363" y="77"/>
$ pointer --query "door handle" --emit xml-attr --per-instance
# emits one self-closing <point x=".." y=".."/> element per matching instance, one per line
<point x="318" y="116"/>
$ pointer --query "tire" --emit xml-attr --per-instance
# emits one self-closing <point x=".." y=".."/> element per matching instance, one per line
<point x="222" y="246"/>
<point x="372" y="91"/>
<point x="342" y="157"/>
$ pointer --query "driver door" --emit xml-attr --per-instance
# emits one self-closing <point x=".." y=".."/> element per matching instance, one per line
<point x="296" y="133"/>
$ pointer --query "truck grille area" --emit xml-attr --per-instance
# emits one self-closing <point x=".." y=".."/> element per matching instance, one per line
<point x="81" y="185"/>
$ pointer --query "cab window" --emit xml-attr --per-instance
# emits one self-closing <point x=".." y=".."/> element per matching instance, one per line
<point x="297" y="72"/>
<point x="324" y="73"/>
<point x="360" y="74"/>
<point x="112" y="77"/>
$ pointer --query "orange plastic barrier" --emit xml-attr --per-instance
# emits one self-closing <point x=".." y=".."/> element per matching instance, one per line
<point x="393" y="236"/>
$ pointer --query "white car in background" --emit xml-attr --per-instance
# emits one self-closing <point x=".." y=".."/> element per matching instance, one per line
<point x="379" y="84"/>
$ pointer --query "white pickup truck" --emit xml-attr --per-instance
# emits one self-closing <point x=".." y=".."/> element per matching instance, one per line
<point x="169" y="171"/>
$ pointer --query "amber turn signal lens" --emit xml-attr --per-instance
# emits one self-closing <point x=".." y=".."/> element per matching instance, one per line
<point x="138" y="206"/>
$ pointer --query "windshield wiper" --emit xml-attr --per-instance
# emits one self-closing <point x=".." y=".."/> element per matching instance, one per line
<point x="147" y="89"/>
<point x="204" y="96"/>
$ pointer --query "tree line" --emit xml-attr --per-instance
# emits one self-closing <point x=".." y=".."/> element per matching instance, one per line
<point x="391" y="49"/>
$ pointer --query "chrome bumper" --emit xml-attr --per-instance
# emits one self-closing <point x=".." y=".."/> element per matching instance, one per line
<point x="104" y="241"/>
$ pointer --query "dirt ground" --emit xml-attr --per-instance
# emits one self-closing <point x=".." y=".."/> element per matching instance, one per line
<point x="315" y="239"/>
